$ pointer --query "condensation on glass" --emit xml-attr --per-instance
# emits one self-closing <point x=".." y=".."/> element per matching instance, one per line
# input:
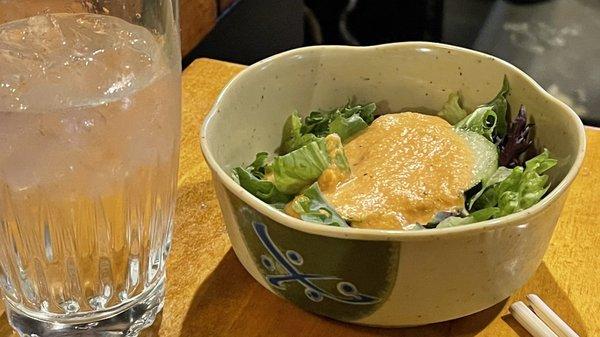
<point x="89" y="142"/>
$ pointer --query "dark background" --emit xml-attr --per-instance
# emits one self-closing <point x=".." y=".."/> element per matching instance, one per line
<point x="557" y="42"/>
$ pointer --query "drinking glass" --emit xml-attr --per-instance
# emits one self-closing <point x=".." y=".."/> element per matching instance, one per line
<point x="89" y="146"/>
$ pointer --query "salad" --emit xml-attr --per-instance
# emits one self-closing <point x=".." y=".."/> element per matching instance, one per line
<point x="354" y="167"/>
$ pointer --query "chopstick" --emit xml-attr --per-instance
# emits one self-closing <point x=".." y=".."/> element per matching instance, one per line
<point x="542" y="321"/>
<point x="530" y="321"/>
<point x="549" y="317"/>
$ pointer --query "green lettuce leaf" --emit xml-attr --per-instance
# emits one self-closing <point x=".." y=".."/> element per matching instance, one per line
<point x="317" y="122"/>
<point x="540" y="163"/>
<point x="294" y="171"/>
<point x="452" y="112"/>
<point x="486" y="197"/>
<point x="482" y="121"/>
<point x="441" y="216"/>
<point x="263" y="189"/>
<point x="347" y="127"/>
<point x="513" y="190"/>
<point x="500" y="106"/>
<point x="278" y="181"/>
<point x="311" y="206"/>
<point x="258" y="166"/>
<point x="481" y="215"/>
<point x="292" y="137"/>
<point x="366" y="112"/>
<point x="335" y="153"/>
<point x="535" y="184"/>
<point x="346" y="121"/>
<point x="488" y="119"/>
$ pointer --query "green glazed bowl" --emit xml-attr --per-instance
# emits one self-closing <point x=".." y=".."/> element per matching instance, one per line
<point x="369" y="276"/>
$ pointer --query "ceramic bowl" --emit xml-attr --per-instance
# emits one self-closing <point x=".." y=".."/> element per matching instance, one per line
<point x="369" y="276"/>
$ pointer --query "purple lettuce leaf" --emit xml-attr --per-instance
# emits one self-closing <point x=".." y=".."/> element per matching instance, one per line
<point x="516" y="146"/>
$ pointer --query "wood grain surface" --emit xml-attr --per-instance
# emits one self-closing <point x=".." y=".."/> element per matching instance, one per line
<point x="210" y="294"/>
<point x="197" y="18"/>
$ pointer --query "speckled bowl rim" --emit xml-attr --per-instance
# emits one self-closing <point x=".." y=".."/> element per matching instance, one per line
<point x="381" y="234"/>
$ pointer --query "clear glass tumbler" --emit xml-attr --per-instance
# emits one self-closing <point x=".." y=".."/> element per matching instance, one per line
<point x="89" y="146"/>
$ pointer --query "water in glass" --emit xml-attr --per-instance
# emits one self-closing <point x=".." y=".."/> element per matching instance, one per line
<point x="89" y="136"/>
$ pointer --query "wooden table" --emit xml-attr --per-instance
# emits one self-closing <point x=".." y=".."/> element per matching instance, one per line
<point x="210" y="294"/>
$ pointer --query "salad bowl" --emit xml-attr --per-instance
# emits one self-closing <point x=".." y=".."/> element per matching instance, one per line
<point x="374" y="276"/>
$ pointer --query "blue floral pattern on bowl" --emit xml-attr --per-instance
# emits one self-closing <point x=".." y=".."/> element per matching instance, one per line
<point x="291" y="260"/>
<point x="342" y="279"/>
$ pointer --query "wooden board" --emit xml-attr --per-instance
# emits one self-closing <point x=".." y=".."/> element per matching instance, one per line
<point x="197" y="18"/>
<point x="210" y="294"/>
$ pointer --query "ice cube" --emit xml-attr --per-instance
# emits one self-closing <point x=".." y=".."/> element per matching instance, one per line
<point x="54" y="61"/>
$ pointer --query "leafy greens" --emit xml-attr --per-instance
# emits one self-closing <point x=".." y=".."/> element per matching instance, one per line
<point x="312" y="145"/>
<point x="285" y="176"/>
<point x="517" y="141"/>
<point x="263" y="189"/>
<point x="500" y="107"/>
<point x="345" y="121"/>
<point x="481" y="215"/>
<point x="488" y="120"/>
<point x="311" y="206"/>
<point x="513" y="190"/>
<point x="293" y="138"/>
<point x="482" y="121"/>
<point x="296" y="170"/>
<point x="452" y="112"/>
<point x="515" y="185"/>
<point x="299" y="168"/>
